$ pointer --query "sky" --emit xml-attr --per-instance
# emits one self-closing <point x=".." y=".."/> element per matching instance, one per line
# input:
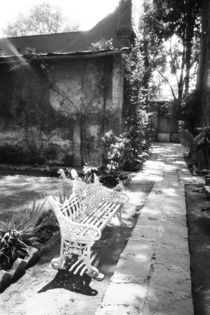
<point x="84" y="12"/>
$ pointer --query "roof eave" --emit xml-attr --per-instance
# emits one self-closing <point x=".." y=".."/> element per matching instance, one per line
<point x="59" y="55"/>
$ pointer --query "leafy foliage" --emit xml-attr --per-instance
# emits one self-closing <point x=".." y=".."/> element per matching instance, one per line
<point x="46" y="226"/>
<point x="191" y="110"/>
<point x="88" y="172"/>
<point x="15" y="237"/>
<point x="128" y="150"/>
<point x="43" y="19"/>
<point x="200" y="150"/>
<point x="103" y="44"/>
<point x="14" y="243"/>
<point x="170" y="35"/>
<point x="138" y="114"/>
<point x="116" y="149"/>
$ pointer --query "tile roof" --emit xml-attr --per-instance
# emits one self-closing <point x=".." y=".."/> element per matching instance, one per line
<point x="62" y="42"/>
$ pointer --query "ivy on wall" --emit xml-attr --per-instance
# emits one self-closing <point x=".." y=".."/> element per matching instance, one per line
<point x="128" y="150"/>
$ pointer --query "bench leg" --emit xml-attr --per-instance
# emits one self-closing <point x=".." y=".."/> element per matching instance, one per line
<point x="119" y="215"/>
<point x="59" y="263"/>
<point x="92" y="271"/>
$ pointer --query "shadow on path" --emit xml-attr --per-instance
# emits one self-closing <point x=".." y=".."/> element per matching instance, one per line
<point x="65" y="279"/>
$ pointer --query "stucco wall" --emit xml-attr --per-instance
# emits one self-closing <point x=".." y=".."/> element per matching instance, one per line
<point x="55" y="111"/>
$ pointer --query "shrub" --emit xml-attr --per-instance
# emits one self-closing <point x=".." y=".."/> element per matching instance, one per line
<point x="116" y="151"/>
<point x="14" y="242"/>
<point x="88" y="172"/>
<point x="16" y="237"/>
<point x="11" y="154"/>
<point x="191" y="112"/>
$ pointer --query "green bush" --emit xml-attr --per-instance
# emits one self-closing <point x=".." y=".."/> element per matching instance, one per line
<point x="191" y="112"/>
<point x="11" y="154"/>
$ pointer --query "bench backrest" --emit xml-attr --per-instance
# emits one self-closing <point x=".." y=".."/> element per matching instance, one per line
<point x="91" y="194"/>
<point x="79" y="188"/>
<point x="72" y="209"/>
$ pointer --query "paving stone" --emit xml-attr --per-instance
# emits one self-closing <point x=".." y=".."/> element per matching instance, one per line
<point x="172" y="276"/>
<point x="118" y="309"/>
<point x="134" y="263"/>
<point x="168" y="302"/>
<point x="125" y="294"/>
<point x="148" y="230"/>
<point x="153" y="273"/>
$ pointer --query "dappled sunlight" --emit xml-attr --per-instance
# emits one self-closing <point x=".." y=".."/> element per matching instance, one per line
<point x="169" y="168"/>
<point x="174" y="213"/>
<point x="131" y="275"/>
<point x="18" y="182"/>
<point x="173" y="183"/>
<point x="155" y="178"/>
<point x="170" y="192"/>
<point x="154" y="164"/>
<point x="151" y="211"/>
<point x="180" y="163"/>
<point x="127" y="294"/>
<point x="150" y="177"/>
<point x="142" y="258"/>
<point x="137" y="192"/>
<point x="19" y="192"/>
<point x="137" y="290"/>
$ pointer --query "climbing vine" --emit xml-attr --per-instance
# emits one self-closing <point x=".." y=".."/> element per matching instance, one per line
<point x="127" y="151"/>
<point x="137" y="111"/>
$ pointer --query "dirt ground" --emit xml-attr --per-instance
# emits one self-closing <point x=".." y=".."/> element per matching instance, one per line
<point x="45" y="291"/>
<point x="198" y="218"/>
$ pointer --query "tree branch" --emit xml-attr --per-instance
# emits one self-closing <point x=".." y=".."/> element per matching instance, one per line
<point x="167" y="81"/>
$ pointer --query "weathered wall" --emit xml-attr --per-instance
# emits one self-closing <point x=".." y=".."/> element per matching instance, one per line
<point x="117" y="92"/>
<point x="56" y="110"/>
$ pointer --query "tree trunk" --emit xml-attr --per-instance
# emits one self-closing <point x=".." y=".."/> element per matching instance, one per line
<point x="190" y="23"/>
<point x="204" y="81"/>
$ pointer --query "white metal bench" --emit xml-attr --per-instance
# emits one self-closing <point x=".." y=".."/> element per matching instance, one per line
<point x="82" y="218"/>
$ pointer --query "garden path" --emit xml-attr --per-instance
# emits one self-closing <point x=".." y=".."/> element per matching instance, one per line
<point x="153" y="273"/>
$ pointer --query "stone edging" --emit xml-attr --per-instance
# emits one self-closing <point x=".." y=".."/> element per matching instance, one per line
<point x="18" y="268"/>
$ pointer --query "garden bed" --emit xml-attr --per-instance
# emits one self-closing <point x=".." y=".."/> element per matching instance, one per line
<point x="198" y="219"/>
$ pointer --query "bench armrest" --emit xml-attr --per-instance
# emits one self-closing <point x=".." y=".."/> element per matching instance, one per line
<point x="73" y="230"/>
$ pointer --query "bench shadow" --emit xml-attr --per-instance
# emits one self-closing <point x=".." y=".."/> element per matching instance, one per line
<point x="65" y="279"/>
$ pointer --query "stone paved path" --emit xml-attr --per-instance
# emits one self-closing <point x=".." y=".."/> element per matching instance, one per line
<point x="153" y="273"/>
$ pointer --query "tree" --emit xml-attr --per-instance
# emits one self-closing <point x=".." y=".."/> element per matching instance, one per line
<point x="43" y="19"/>
<point x="182" y="18"/>
<point x="171" y="31"/>
<point x="204" y="68"/>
